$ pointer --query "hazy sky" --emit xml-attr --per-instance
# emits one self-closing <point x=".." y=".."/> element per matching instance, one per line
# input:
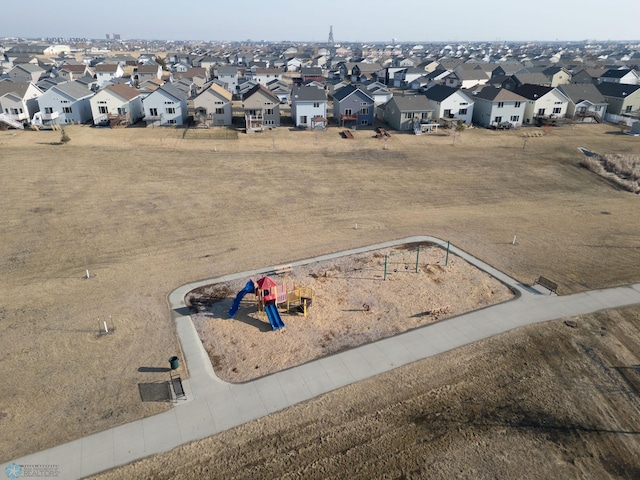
<point x="368" y="20"/>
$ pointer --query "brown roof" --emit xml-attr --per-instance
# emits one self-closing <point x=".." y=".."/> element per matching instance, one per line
<point x="105" y="67"/>
<point x="74" y="68"/>
<point x="123" y="90"/>
<point x="148" y="68"/>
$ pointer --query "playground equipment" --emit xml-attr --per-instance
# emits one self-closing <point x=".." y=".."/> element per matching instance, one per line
<point x="270" y="295"/>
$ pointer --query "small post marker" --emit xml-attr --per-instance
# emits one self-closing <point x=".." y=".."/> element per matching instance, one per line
<point x="106" y="329"/>
<point x="356" y="226"/>
<point x="513" y="242"/>
<point x="88" y="276"/>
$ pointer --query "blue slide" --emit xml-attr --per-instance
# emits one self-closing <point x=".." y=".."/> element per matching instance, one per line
<point x="248" y="288"/>
<point x="274" y="317"/>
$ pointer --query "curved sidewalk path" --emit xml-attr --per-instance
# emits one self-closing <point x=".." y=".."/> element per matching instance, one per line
<point x="213" y="405"/>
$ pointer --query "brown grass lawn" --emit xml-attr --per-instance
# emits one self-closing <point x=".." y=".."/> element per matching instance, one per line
<point x="146" y="211"/>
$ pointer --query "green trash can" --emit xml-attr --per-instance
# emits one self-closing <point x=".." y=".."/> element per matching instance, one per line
<point x="173" y="361"/>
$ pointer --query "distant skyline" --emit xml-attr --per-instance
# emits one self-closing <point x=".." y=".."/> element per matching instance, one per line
<point x="372" y="20"/>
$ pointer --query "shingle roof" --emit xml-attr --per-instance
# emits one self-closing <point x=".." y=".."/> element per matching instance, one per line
<point x="412" y="103"/>
<point x="613" y="73"/>
<point x="439" y="93"/>
<point x="173" y="91"/>
<point x="532" y="92"/>
<point x="265" y="91"/>
<point x="618" y="90"/>
<point x="498" y="95"/>
<point x="578" y="93"/>
<point x="123" y="90"/>
<point x="308" y="94"/>
<point x="347" y="90"/>
<point x="17" y="88"/>
<point x="74" y="89"/>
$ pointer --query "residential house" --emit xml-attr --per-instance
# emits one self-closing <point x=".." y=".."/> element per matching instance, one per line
<point x="308" y="107"/>
<point x="495" y="107"/>
<point x="70" y="72"/>
<point x="586" y="103"/>
<point x="450" y="103"/>
<point x="311" y="73"/>
<point x="213" y="106"/>
<point x="526" y="78"/>
<point x="379" y="92"/>
<point x="622" y="99"/>
<point x="106" y="72"/>
<point x="626" y="76"/>
<point x="147" y="72"/>
<point x="19" y="100"/>
<point x="261" y="109"/>
<point x="65" y="103"/>
<point x="403" y="78"/>
<point x="544" y="103"/>
<point x="466" y="78"/>
<point x="117" y="104"/>
<point x="26" y="72"/>
<point x="281" y="89"/>
<point x="335" y="84"/>
<point x="557" y="75"/>
<point x="264" y="75"/>
<point x="587" y="75"/>
<point x="229" y="75"/>
<point x="402" y="112"/>
<point x="165" y="106"/>
<point x="353" y="105"/>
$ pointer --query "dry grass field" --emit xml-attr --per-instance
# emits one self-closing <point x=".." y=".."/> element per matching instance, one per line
<point x="146" y="210"/>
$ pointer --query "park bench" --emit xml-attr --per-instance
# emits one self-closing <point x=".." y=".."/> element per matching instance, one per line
<point x="548" y="284"/>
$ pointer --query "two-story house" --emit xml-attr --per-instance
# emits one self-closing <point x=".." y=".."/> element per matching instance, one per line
<point x="213" y="106"/>
<point x="308" y="106"/>
<point x="495" y="107"/>
<point x="622" y="99"/>
<point x="65" y="103"/>
<point x="586" y="103"/>
<point x="402" y="112"/>
<point x="19" y="100"/>
<point x="450" y="103"/>
<point x="543" y="103"/>
<point x="106" y="72"/>
<point x="261" y="109"/>
<point x="165" y="106"/>
<point x="117" y="104"/>
<point x="353" y="105"/>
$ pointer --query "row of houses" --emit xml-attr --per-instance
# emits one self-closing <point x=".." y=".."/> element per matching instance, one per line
<point x="158" y="103"/>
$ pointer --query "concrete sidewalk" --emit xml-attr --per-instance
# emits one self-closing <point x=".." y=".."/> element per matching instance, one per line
<point x="213" y="406"/>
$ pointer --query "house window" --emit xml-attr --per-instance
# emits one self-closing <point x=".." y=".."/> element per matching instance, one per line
<point x="364" y="111"/>
<point x="172" y="121"/>
<point x="219" y="111"/>
<point x="464" y="103"/>
<point x="66" y="109"/>
<point x="303" y="119"/>
<point x="269" y="122"/>
<point x="268" y="111"/>
<point x="347" y="111"/>
<point x="425" y="115"/>
<point x="102" y="109"/>
<point x="168" y="103"/>
<point x="541" y="111"/>
<point x="122" y="111"/>
<point x="48" y="109"/>
<point x="364" y="122"/>
<point x="462" y="111"/>
<point x="557" y="110"/>
<point x="218" y="103"/>
<point x="102" y="102"/>
<point x="515" y="118"/>
<point x="363" y="104"/>
<point x="497" y="119"/>
<point x="171" y="110"/>
<point x="153" y="112"/>
<point x="500" y="104"/>
<point x="447" y="113"/>
<point x="629" y="109"/>
<point x="517" y="105"/>
<point x="316" y="104"/>
<point x="557" y="103"/>
<point x="408" y="115"/>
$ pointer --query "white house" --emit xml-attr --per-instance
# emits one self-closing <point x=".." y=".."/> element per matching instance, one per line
<point x="542" y="103"/>
<point x="264" y="75"/>
<point x="229" y="75"/>
<point x="19" y="100"/>
<point x="624" y="75"/>
<point x="495" y="107"/>
<point x="308" y="106"/>
<point x="213" y="106"/>
<point x="450" y="103"/>
<point x="165" y="106"/>
<point x="107" y="72"/>
<point x="117" y="104"/>
<point x="66" y="103"/>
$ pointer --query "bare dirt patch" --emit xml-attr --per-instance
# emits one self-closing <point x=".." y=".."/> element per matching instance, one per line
<point x="352" y="305"/>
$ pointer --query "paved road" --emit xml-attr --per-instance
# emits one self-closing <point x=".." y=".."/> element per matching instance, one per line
<point x="213" y="405"/>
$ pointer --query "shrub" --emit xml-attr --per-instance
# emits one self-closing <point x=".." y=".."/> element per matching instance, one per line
<point x="64" y="138"/>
